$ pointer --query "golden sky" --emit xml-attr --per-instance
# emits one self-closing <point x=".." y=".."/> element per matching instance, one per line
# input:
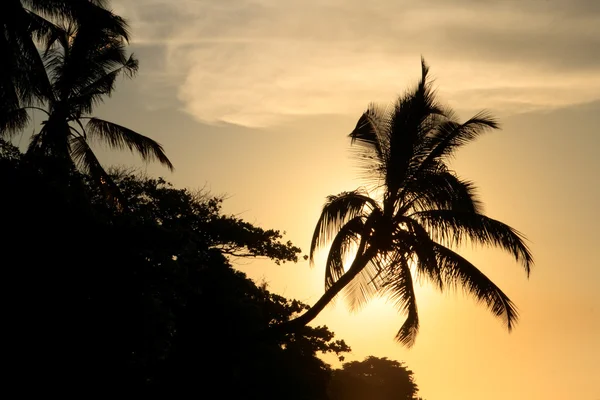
<point x="255" y="98"/>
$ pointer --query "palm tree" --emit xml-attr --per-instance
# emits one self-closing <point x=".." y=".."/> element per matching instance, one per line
<point x="82" y="61"/>
<point x="424" y="212"/>
<point x="26" y="24"/>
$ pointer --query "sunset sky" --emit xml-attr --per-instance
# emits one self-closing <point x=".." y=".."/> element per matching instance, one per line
<point x="255" y="98"/>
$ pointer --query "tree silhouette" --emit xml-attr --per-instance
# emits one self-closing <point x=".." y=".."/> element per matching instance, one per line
<point x="26" y="24"/>
<point x="83" y="55"/>
<point x="83" y="65"/>
<point x="424" y="211"/>
<point x="145" y="301"/>
<point x="373" y="378"/>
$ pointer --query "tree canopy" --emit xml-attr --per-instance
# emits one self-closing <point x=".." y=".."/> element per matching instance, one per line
<point x="146" y="300"/>
<point x="375" y="379"/>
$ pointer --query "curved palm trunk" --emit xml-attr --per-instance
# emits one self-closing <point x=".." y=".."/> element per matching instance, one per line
<point x="358" y="265"/>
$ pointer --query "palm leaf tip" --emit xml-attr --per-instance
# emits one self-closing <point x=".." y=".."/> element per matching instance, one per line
<point x="454" y="227"/>
<point x="407" y="335"/>
<point x="457" y="271"/>
<point x="522" y="253"/>
<point x="131" y="66"/>
<point x="511" y="315"/>
<point x="504" y="309"/>
<point x="424" y="69"/>
<point x="400" y="289"/>
<point x="485" y="120"/>
<point x="514" y="242"/>
<point x="12" y="122"/>
<point x="119" y="137"/>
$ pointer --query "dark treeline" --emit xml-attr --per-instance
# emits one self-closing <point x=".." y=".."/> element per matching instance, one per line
<point x="98" y="300"/>
<point x="117" y="283"/>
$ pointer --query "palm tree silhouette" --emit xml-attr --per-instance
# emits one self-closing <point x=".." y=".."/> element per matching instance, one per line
<point x="84" y="55"/>
<point x="425" y="210"/>
<point x="25" y="25"/>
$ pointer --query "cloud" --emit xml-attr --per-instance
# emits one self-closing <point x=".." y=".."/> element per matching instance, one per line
<point x="256" y="62"/>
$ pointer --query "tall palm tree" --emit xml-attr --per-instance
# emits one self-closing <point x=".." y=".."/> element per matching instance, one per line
<point x="424" y="212"/>
<point x="82" y="64"/>
<point x="25" y="25"/>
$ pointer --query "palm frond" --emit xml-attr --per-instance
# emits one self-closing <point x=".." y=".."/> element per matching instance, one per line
<point x="439" y="190"/>
<point x="409" y="125"/>
<point x="12" y="121"/>
<point x="100" y="61"/>
<point x="87" y="52"/>
<point x="348" y="235"/>
<point x="414" y="240"/>
<point x="119" y="137"/>
<point x="453" y="227"/>
<point x="85" y="98"/>
<point x="337" y="211"/>
<point x="86" y="161"/>
<point x="10" y="96"/>
<point x="46" y="33"/>
<point x="367" y="283"/>
<point x="84" y="13"/>
<point x="372" y="135"/>
<point x="22" y="65"/>
<point x="98" y="16"/>
<point x="400" y="289"/>
<point x="12" y="80"/>
<point x="56" y="70"/>
<point x="447" y="137"/>
<point x="42" y="30"/>
<point x="458" y="271"/>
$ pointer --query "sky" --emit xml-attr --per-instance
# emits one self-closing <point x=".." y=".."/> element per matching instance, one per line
<point x="254" y="99"/>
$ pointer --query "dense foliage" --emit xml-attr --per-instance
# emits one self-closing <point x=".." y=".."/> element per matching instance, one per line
<point x="147" y="300"/>
<point x="374" y="379"/>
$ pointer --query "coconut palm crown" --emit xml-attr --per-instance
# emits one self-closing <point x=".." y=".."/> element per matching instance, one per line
<point x="26" y="25"/>
<point x="83" y="62"/>
<point x="424" y="213"/>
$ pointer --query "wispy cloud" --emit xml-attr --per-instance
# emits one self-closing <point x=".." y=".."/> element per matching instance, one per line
<point x="254" y="62"/>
